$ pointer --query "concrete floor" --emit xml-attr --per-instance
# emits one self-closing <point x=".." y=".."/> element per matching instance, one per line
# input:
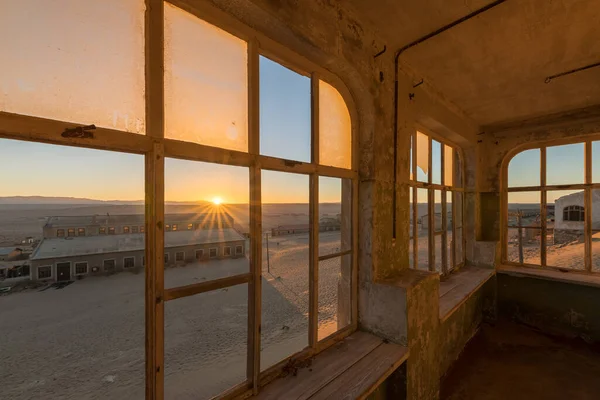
<point x="509" y="361"/>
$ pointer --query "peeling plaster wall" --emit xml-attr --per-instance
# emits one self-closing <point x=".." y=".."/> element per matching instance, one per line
<point x="558" y="308"/>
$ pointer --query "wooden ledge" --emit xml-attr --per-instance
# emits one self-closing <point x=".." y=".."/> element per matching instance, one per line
<point x="351" y="369"/>
<point x="460" y="286"/>
<point x="571" y="277"/>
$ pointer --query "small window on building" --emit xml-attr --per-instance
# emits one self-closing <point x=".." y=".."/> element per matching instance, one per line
<point x="190" y="227"/>
<point x="60" y="233"/>
<point x="166" y="258"/>
<point x="212" y="253"/>
<point x="227" y="251"/>
<point x="174" y="227"/>
<point x="142" y="229"/>
<point x="199" y="254"/>
<point x="81" y="268"/>
<point x="239" y="249"/>
<point x="109" y="265"/>
<point x="102" y="230"/>
<point x="111" y="230"/>
<point x="126" y="229"/>
<point x="134" y="229"/>
<point x="179" y="256"/>
<point x="81" y="232"/>
<point x="128" y="262"/>
<point x="574" y="213"/>
<point x="167" y="228"/>
<point x="71" y="232"/>
<point x="45" y="272"/>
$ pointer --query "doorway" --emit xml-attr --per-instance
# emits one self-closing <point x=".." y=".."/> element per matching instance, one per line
<point x="63" y="271"/>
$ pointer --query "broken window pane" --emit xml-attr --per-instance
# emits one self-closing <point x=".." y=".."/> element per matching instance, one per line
<point x="448" y="165"/>
<point x="335" y="213"/>
<point x="524" y="169"/>
<point x="206" y="83"/>
<point x="524" y="209"/>
<point x="72" y="329"/>
<point x="565" y="164"/>
<point x="422" y="157"/>
<point x="76" y="61"/>
<point x="422" y="230"/>
<point x="436" y="162"/>
<point x="335" y="305"/>
<point x="335" y="129"/>
<point x="565" y="244"/>
<point x="207" y="212"/>
<point x="285" y="286"/>
<point x="206" y="343"/>
<point x="285" y="113"/>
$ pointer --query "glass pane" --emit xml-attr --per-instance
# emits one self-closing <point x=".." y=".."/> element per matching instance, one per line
<point x="565" y="244"/>
<point x="205" y="343"/>
<point x="335" y="129"/>
<point x="436" y="162"/>
<point x="596" y="162"/>
<point x="422" y="157"/>
<point x="206" y="221"/>
<point x="448" y="165"/>
<point x="72" y="330"/>
<point x="335" y="286"/>
<point x="565" y="164"/>
<point x="524" y="169"/>
<point x="524" y="209"/>
<point x="93" y="77"/>
<point x="437" y="210"/>
<point x="285" y="266"/>
<point x="449" y="238"/>
<point x="422" y="230"/>
<point x="206" y="83"/>
<point x="335" y="215"/>
<point x="438" y="253"/>
<point x="524" y="246"/>
<point x="285" y="114"/>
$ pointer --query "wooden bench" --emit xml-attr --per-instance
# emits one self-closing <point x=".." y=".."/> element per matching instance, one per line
<point x="350" y="369"/>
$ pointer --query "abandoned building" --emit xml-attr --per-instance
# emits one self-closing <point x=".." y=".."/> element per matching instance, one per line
<point x="456" y="111"/>
<point x="78" y="246"/>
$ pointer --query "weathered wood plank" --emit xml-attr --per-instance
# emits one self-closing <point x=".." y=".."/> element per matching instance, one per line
<point x="462" y="284"/>
<point x="324" y="369"/>
<point x="363" y="377"/>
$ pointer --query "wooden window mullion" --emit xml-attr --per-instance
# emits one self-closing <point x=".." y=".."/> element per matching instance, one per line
<point x="313" y="246"/>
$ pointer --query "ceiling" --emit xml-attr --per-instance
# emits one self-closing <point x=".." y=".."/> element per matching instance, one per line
<point x="493" y="66"/>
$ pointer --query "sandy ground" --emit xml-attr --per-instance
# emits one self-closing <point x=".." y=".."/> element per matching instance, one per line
<point x="423" y="251"/>
<point x="568" y="255"/>
<point x="86" y="341"/>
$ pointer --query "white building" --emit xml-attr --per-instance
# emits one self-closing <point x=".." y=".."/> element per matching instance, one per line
<point x="569" y="221"/>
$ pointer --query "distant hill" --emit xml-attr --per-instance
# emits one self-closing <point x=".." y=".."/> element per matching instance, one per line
<point x="28" y="200"/>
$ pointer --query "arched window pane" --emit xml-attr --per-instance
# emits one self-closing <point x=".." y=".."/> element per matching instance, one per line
<point x="76" y="61"/>
<point x="335" y="129"/>
<point x="206" y="83"/>
<point x="524" y="169"/>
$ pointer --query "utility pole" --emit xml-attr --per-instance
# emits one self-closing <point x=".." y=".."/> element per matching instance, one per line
<point x="268" y="261"/>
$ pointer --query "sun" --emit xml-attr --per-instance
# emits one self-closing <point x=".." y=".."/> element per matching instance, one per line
<point x="217" y="201"/>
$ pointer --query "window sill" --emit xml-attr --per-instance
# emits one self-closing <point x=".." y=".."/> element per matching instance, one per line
<point x="459" y="287"/>
<point x="550" y="275"/>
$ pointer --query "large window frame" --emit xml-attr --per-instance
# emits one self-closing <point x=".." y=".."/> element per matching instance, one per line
<point x="587" y="187"/>
<point x="155" y="147"/>
<point x="457" y="186"/>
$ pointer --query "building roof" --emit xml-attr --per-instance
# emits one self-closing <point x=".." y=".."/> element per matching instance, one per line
<point x="125" y="219"/>
<point x="4" y="251"/>
<point x="86" y="245"/>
